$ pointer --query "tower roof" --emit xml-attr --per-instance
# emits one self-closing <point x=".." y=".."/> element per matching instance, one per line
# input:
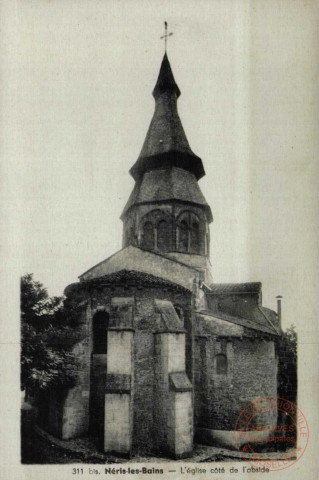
<point x="165" y="81"/>
<point x="166" y="144"/>
<point x="162" y="185"/>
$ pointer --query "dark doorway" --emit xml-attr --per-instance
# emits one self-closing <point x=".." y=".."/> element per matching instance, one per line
<point x="100" y="324"/>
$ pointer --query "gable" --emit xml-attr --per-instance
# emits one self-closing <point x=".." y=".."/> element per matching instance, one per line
<point x="133" y="258"/>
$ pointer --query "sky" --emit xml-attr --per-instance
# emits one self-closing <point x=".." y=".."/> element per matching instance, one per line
<point x="77" y="103"/>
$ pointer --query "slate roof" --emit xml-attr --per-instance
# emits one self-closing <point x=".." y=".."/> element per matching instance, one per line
<point x="167" y="184"/>
<point x="130" y="277"/>
<point x="229" y="288"/>
<point x="271" y="317"/>
<point x="166" y="143"/>
<point x="243" y="313"/>
<point x="166" y="81"/>
<point x="254" y="322"/>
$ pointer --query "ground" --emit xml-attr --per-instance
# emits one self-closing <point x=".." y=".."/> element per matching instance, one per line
<point x="39" y="447"/>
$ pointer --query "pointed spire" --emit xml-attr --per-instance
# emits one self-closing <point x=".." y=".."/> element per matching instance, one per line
<point x="166" y="144"/>
<point x="165" y="81"/>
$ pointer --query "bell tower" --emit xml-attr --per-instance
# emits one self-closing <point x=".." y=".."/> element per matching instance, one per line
<point x="167" y="212"/>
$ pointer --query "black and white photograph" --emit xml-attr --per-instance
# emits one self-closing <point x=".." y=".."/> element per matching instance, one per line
<point x="160" y="236"/>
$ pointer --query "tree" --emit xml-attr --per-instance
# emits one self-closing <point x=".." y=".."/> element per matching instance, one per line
<point x="287" y="374"/>
<point x="47" y="339"/>
<point x="290" y="338"/>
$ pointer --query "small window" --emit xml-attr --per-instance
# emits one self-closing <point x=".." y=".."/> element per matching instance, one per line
<point x="195" y="246"/>
<point x="183" y="236"/>
<point x="221" y="364"/>
<point x="148" y="238"/>
<point x="100" y="326"/>
<point x="163" y="236"/>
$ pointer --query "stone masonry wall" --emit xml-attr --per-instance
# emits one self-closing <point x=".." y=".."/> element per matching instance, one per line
<point x="251" y="373"/>
<point x="65" y="412"/>
<point x="143" y="433"/>
<point x="97" y="394"/>
<point x="81" y="406"/>
<point x="173" y="403"/>
<point x="183" y="423"/>
<point x="146" y="395"/>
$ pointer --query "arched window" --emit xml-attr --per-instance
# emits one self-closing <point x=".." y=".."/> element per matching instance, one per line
<point x="195" y="246"/>
<point x="179" y="312"/>
<point x="163" y="236"/>
<point x="100" y="326"/>
<point x="148" y="236"/>
<point x="221" y="364"/>
<point x="183" y="237"/>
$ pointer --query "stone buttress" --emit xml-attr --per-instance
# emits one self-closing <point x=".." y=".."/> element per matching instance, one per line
<point x="140" y="396"/>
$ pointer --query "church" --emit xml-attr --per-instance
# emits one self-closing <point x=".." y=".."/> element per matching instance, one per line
<point x="169" y="357"/>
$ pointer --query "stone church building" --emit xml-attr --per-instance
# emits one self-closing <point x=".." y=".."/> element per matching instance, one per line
<point x="169" y="357"/>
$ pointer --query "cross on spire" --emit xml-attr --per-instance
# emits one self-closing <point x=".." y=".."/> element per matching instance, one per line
<point x="166" y="35"/>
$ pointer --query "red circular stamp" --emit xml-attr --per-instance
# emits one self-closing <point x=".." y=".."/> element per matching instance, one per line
<point x="271" y="433"/>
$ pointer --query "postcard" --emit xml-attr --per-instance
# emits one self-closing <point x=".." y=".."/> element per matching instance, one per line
<point x="159" y="239"/>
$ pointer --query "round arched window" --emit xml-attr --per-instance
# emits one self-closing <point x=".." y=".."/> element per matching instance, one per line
<point x="195" y="246"/>
<point x="221" y="364"/>
<point x="100" y="326"/>
<point x="163" y="236"/>
<point x="148" y="238"/>
<point x="183" y="236"/>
